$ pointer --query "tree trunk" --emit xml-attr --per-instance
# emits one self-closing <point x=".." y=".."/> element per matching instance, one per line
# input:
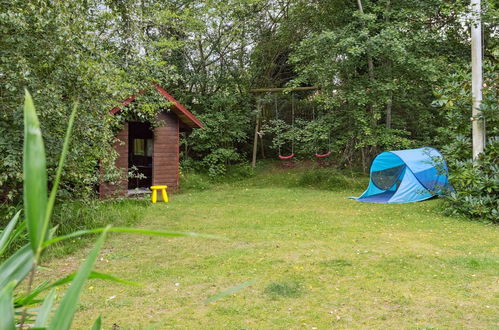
<point x="389" y="110"/>
<point x="364" y="163"/>
<point x="370" y="65"/>
<point x="370" y="70"/>
<point x="389" y="71"/>
<point x="477" y="124"/>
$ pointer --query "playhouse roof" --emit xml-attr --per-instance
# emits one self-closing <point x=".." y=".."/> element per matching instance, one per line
<point x="183" y="114"/>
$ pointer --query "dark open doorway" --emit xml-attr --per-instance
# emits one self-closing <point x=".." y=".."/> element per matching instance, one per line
<point x="140" y="149"/>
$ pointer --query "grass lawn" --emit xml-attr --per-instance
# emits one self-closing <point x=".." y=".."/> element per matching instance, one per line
<point x="318" y="261"/>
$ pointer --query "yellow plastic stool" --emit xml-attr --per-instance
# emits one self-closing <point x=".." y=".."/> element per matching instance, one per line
<point x="154" y="196"/>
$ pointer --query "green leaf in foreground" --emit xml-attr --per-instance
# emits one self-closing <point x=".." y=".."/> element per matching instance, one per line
<point x="43" y="313"/>
<point x="7" y="321"/>
<point x="35" y="175"/>
<point x="62" y="158"/>
<point x="65" y="312"/>
<point x="31" y="297"/>
<point x="93" y="275"/>
<point x="230" y="291"/>
<point x="97" y="324"/>
<point x="5" y="236"/>
<point x="125" y="230"/>
<point x="17" y="266"/>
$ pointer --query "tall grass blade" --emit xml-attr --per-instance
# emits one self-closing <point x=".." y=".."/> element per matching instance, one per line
<point x="62" y="159"/>
<point x="97" y="324"/>
<point x="44" y="312"/>
<point x="35" y="175"/>
<point x="5" y="236"/>
<point x="7" y="321"/>
<point x="124" y="230"/>
<point x="65" y="312"/>
<point x="17" y="266"/>
<point x="92" y="275"/>
<point x="18" y="231"/>
<point x="31" y="297"/>
<point x="229" y="291"/>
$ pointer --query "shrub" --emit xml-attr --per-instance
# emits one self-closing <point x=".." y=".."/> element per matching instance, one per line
<point x="217" y="161"/>
<point x="476" y="183"/>
<point x="476" y="186"/>
<point x="194" y="181"/>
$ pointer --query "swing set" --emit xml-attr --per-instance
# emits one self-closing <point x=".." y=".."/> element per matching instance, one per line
<point x="259" y="134"/>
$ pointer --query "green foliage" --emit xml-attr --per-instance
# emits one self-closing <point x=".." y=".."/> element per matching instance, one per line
<point x="476" y="183"/>
<point x="8" y="235"/>
<point x="192" y="180"/>
<point x="385" y="105"/>
<point x="71" y="216"/>
<point x="45" y="48"/>
<point x="217" y="161"/>
<point x="379" y="69"/>
<point x="35" y="177"/>
<point x="92" y="51"/>
<point x="24" y="262"/>
<point x="219" y="143"/>
<point x="69" y="303"/>
<point x="477" y="186"/>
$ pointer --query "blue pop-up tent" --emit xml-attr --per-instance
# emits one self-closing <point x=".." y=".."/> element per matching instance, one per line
<point x="405" y="176"/>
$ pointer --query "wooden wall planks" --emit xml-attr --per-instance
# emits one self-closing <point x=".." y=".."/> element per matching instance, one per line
<point x="121" y="146"/>
<point x="166" y="152"/>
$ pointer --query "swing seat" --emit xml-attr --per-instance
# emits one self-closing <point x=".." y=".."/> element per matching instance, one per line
<point x="287" y="157"/>
<point x="327" y="154"/>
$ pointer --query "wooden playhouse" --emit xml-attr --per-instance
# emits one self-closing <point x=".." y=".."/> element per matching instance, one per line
<point x="153" y="153"/>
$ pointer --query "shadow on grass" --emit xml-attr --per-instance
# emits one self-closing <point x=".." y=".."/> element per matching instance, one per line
<point x="277" y="290"/>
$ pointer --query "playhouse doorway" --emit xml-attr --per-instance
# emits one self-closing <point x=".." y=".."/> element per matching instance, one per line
<point x="140" y="151"/>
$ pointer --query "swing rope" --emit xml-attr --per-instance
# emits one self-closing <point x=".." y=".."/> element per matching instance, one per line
<point x="292" y="126"/>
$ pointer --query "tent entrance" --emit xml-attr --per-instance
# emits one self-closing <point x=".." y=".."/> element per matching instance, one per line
<point x="388" y="178"/>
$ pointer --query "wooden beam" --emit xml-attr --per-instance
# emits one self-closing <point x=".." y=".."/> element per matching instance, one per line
<point x="276" y="90"/>
<point x="255" y="141"/>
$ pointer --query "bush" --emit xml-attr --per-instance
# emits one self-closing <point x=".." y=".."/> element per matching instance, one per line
<point x="475" y="183"/>
<point x="237" y="172"/>
<point x="328" y="179"/>
<point x="218" y="160"/>
<point x="226" y="117"/>
<point x="194" y="181"/>
<point x="476" y="186"/>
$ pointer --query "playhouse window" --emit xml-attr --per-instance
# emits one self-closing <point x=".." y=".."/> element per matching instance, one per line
<point x="149" y="148"/>
<point x="139" y="147"/>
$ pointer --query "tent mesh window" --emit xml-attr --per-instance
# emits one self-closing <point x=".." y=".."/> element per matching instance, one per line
<point x="385" y="179"/>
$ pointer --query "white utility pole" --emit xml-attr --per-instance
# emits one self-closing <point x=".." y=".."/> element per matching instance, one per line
<point x="477" y="125"/>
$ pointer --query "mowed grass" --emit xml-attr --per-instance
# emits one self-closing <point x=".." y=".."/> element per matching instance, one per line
<point x="318" y="261"/>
